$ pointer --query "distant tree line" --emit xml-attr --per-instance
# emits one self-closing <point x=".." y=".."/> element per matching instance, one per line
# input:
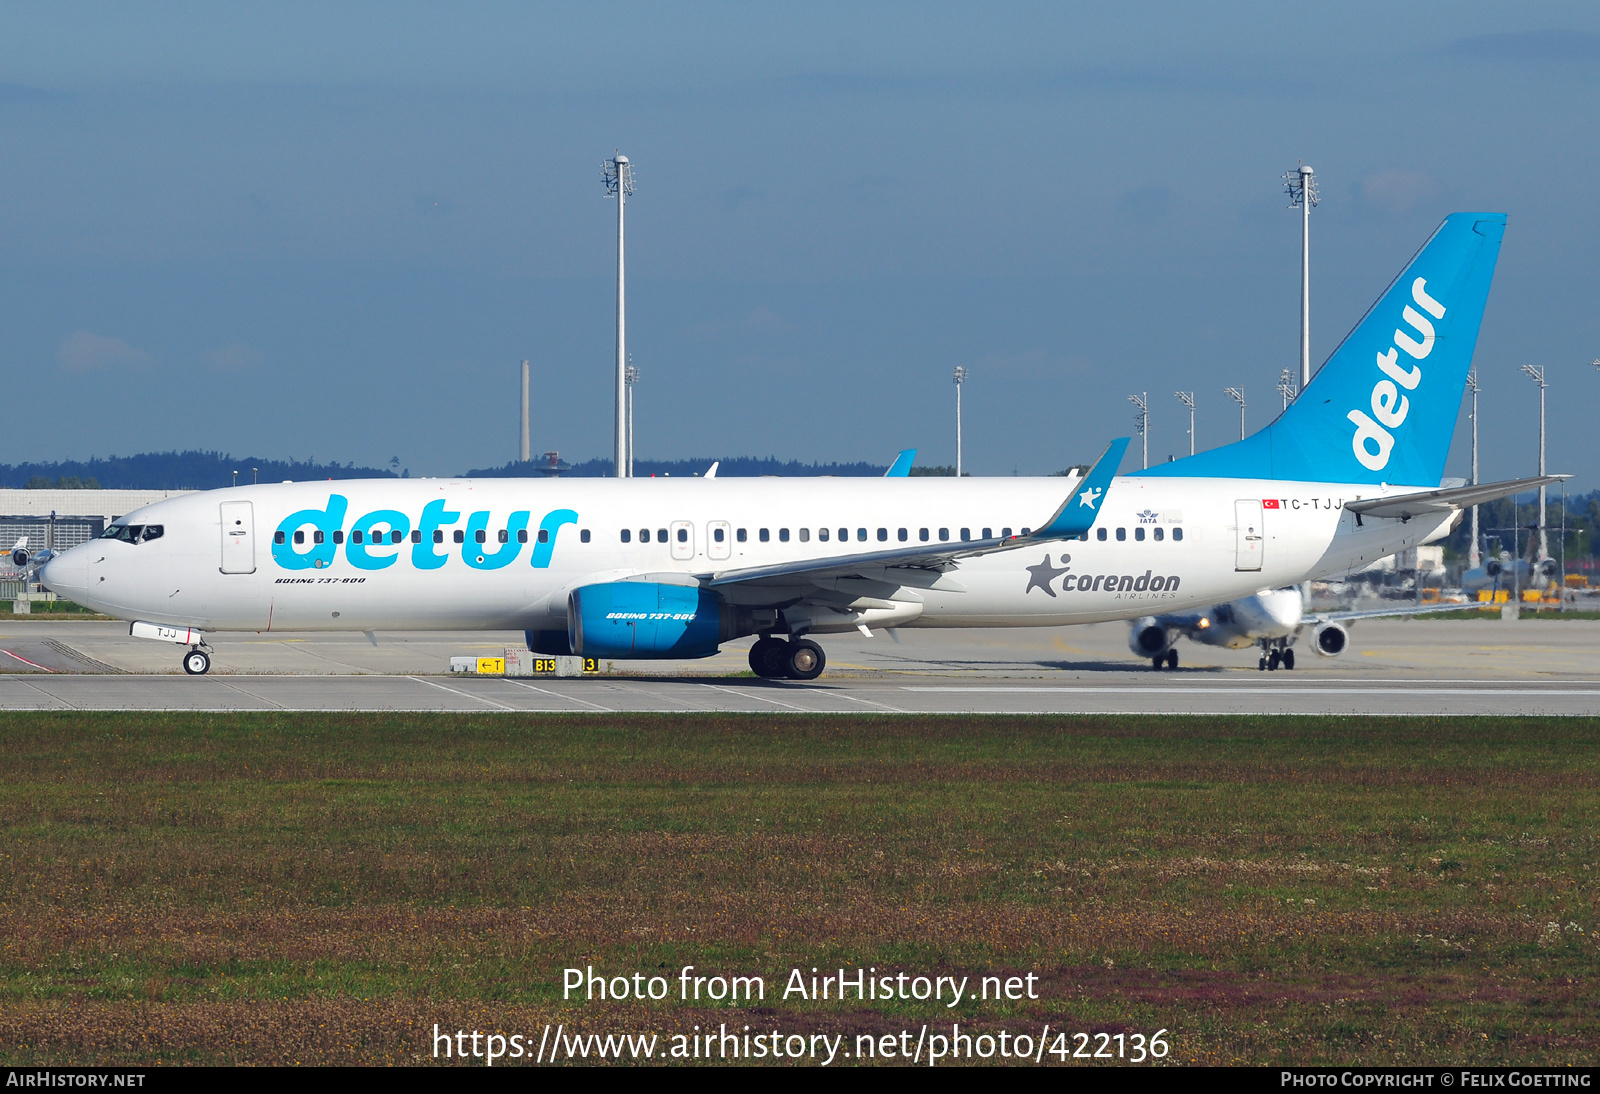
<point x="173" y="471"/>
<point x="1510" y="520"/>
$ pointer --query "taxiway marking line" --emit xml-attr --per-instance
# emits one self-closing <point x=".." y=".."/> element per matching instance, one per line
<point x="558" y="695"/>
<point x="463" y="694"/>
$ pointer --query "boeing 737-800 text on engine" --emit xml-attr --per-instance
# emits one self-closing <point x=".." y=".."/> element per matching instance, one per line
<point x="672" y="568"/>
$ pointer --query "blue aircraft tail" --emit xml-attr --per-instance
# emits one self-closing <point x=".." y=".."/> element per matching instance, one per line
<point x="1384" y="406"/>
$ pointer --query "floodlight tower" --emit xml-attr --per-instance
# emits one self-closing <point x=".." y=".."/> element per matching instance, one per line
<point x="1301" y="186"/>
<point x="1472" y="386"/>
<point x="1187" y="399"/>
<point x="631" y="377"/>
<point x="1141" y="421"/>
<point x="1536" y="372"/>
<point x="958" y="378"/>
<point x="617" y="174"/>
<point x="1237" y="395"/>
<point x="1286" y="387"/>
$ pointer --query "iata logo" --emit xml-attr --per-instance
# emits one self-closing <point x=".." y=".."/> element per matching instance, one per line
<point x="1372" y="441"/>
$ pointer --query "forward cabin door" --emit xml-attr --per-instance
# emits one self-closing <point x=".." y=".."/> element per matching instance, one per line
<point x="1247" y="514"/>
<point x="238" y="538"/>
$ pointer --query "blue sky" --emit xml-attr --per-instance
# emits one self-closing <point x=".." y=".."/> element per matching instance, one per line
<point x="305" y="230"/>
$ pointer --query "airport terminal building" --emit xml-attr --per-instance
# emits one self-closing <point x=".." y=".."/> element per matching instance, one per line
<point x="79" y="515"/>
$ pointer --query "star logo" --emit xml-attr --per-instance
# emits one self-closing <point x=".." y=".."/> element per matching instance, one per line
<point x="1089" y="497"/>
<point x="1044" y="573"/>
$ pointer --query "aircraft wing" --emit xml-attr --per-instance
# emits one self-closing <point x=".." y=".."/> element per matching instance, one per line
<point x="1315" y="618"/>
<point x="1428" y="503"/>
<point x="1074" y="517"/>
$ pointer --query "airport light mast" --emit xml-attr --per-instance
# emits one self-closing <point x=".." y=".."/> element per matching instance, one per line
<point x="1141" y="421"/>
<point x="525" y="450"/>
<point x="1187" y="399"/>
<point x="1301" y="186"/>
<point x="1237" y="395"/>
<point x="959" y="378"/>
<point x="1286" y="387"/>
<point x="1472" y="386"/>
<point x="1537" y="374"/>
<point x="617" y="174"/>
<point x="630" y="377"/>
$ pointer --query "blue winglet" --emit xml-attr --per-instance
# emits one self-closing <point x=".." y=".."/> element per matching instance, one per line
<point x="902" y="465"/>
<point x="1077" y="514"/>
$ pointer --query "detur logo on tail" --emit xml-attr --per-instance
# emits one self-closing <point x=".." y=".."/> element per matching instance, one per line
<point x="1389" y="406"/>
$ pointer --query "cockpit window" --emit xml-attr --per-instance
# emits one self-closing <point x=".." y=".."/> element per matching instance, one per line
<point x="133" y="533"/>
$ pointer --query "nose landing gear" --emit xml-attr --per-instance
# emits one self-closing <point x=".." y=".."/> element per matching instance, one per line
<point x="799" y="659"/>
<point x="197" y="662"/>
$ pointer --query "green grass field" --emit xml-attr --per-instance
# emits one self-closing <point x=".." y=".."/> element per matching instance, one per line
<point x="325" y="888"/>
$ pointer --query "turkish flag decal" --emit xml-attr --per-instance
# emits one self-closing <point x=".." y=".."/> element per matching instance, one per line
<point x="1269" y="503"/>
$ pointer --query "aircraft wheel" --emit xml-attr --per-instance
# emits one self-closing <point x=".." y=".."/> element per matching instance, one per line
<point x="1273" y="661"/>
<point x="1172" y="659"/>
<point x="1288" y="659"/>
<point x="769" y="657"/>
<point x="1155" y="662"/>
<point x="196" y="663"/>
<point x="1262" y="664"/>
<point x="806" y="660"/>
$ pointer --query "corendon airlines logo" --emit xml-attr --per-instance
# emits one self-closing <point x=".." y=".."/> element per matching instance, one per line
<point x="1373" y="441"/>
<point x="312" y="538"/>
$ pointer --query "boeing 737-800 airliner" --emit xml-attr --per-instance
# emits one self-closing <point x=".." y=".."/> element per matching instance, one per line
<point x="673" y="568"/>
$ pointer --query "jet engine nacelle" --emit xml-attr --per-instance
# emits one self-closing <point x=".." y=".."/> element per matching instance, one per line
<point x="1148" y="638"/>
<point x="1547" y="568"/>
<point x="1493" y="567"/>
<point x="1330" y="639"/>
<point x="20" y="557"/>
<point x="644" y="619"/>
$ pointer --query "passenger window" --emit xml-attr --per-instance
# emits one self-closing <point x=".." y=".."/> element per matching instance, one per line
<point x="481" y="536"/>
<point x="683" y="535"/>
<point x="966" y="534"/>
<point x="1138" y="534"/>
<point x="438" y="535"/>
<point x="718" y="535"/>
<point x="396" y="535"/>
<point x="988" y="534"/>
<point x="1159" y="534"/>
<point x="883" y="535"/>
<point x="626" y="535"/>
<point x="822" y="534"/>
<point x="805" y="535"/>
<point x="459" y="536"/>
<point x="522" y="535"/>
<point x="416" y="535"/>
<point x="316" y="537"/>
<point x="544" y="535"/>
<point x="504" y="535"/>
<point x="1122" y="534"/>
<point x="904" y="535"/>
<point x="299" y="537"/>
<point x="764" y="535"/>
<point x="278" y="537"/>
<point x="338" y="537"/>
<point x="661" y="535"/>
<point x="741" y="535"/>
<point x="844" y="534"/>
<point x="644" y="535"/>
<point x="922" y="534"/>
<point x="583" y="536"/>
<point x="944" y="535"/>
<point x="1084" y="536"/>
<point x="783" y="535"/>
<point x="861" y="535"/>
<point x="1100" y="534"/>
<point x="1005" y="533"/>
<point x="1177" y="534"/>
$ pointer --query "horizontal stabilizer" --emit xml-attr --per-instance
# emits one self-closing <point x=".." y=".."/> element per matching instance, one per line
<point x="1439" y="502"/>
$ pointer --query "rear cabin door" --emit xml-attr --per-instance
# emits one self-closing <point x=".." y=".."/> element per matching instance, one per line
<point x="682" y="539"/>
<point x="238" y="538"/>
<point x="1249" y="539"/>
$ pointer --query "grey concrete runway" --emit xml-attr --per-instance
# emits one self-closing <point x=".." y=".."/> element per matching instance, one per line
<point x="1394" y="667"/>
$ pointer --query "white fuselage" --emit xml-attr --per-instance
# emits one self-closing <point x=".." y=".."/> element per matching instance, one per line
<point x="594" y="529"/>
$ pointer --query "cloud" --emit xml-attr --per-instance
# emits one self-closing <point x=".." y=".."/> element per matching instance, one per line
<point x="1531" y="45"/>
<point x="85" y="352"/>
<point x="1399" y="190"/>
<point x="233" y="356"/>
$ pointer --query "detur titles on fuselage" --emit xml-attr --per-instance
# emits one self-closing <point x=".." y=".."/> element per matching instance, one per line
<point x="673" y="568"/>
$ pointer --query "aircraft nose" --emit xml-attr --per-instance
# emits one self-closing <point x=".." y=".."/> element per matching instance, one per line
<point x="67" y="574"/>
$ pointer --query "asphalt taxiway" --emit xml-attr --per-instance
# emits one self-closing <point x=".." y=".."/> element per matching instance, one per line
<point x="1423" y="667"/>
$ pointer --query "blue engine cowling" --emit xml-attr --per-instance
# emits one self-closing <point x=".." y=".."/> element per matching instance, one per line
<point x="642" y="619"/>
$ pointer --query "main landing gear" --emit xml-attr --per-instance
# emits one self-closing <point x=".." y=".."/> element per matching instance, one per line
<point x="1168" y="659"/>
<point x="799" y="659"/>
<point x="1276" y="658"/>
<point x="197" y="662"/>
